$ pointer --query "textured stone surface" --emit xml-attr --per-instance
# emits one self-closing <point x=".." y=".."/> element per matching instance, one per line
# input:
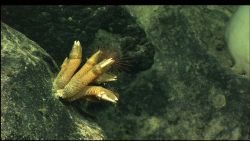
<point x="28" y="109"/>
<point x="190" y="91"/>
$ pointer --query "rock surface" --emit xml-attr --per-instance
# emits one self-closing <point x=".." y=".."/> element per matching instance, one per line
<point x="28" y="110"/>
<point x="190" y="91"/>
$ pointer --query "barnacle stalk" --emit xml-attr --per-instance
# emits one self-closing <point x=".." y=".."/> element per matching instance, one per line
<point x="70" y="86"/>
<point x="69" y="66"/>
<point x="76" y="85"/>
<point x="98" y="91"/>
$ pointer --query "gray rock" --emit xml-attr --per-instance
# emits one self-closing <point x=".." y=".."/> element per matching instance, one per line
<point x="28" y="109"/>
<point x="190" y="91"/>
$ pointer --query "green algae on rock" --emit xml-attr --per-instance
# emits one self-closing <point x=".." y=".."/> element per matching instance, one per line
<point x="177" y="90"/>
<point x="28" y="109"/>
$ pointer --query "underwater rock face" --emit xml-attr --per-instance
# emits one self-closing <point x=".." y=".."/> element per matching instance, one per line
<point x="55" y="28"/>
<point x="188" y="93"/>
<point x="28" y="109"/>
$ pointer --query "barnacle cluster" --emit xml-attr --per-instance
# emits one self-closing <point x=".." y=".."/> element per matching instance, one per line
<point x="71" y="86"/>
